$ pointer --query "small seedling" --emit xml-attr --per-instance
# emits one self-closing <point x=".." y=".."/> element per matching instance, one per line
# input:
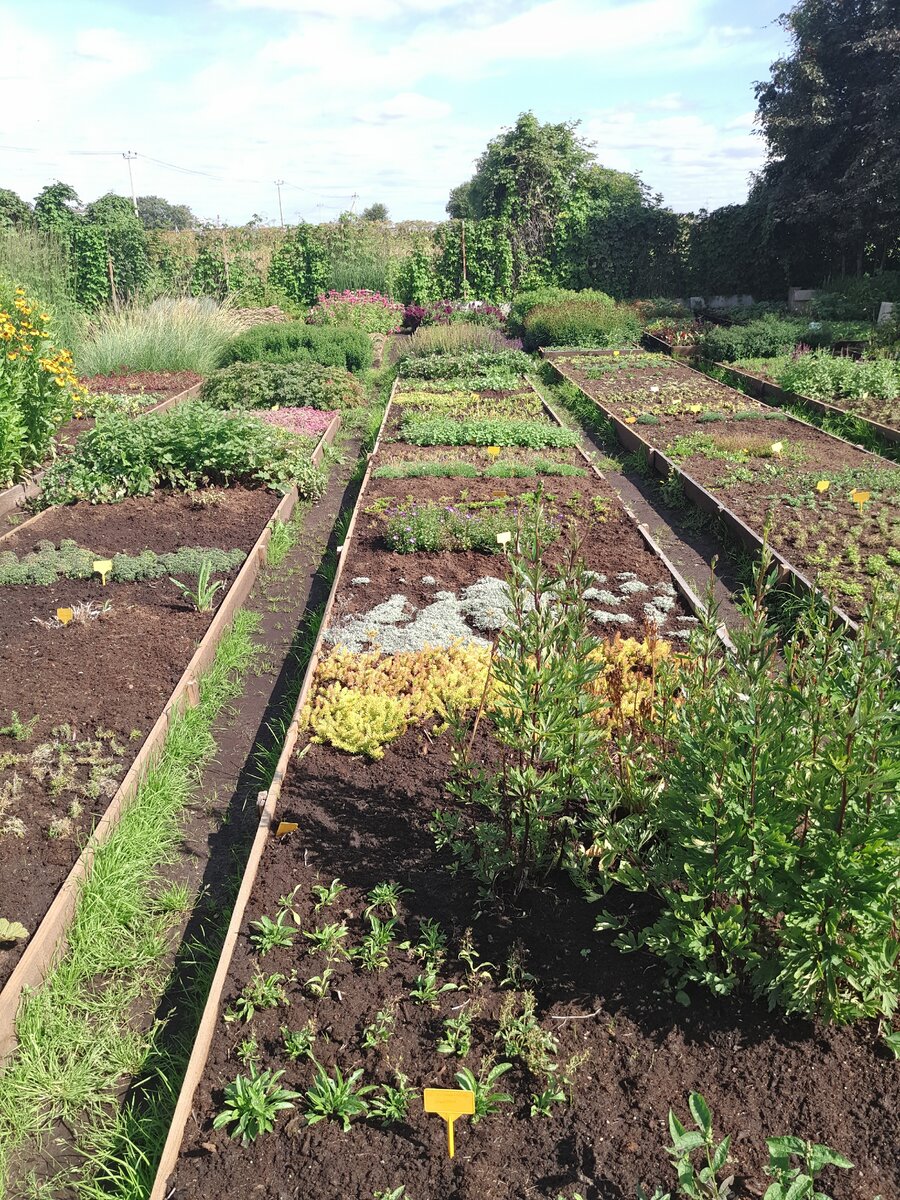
<point x="318" y="985"/>
<point x="397" y="1193"/>
<point x="203" y="598"/>
<point x="393" y="1104"/>
<point x="248" y="1052"/>
<point x="372" y="953"/>
<point x="336" y="1097"/>
<point x="263" y="991"/>
<point x="522" y="1036"/>
<point x="271" y="934"/>
<point x="799" y="1182"/>
<point x="426" y="989"/>
<point x="299" y="1043"/>
<point x="386" y="895"/>
<point x="702" y="1183"/>
<point x="542" y="1103"/>
<point x="328" y="940"/>
<point x="487" y="1101"/>
<point x="18" y="729"/>
<point x="286" y="902"/>
<point x="326" y="894"/>
<point x="457" y="1037"/>
<point x="252" y="1104"/>
<point x="380" y="1032"/>
<point x="516" y="975"/>
<point x="479" y="972"/>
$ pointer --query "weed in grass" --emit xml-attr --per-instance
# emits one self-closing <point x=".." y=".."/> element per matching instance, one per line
<point x="176" y="898"/>
<point x="335" y="1096"/>
<point x="252" y="1103"/>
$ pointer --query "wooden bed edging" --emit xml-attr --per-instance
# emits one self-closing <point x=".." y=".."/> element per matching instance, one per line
<point x="705" y="500"/>
<point x="767" y="392"/>
<point x="48" y="940"/>
<point x="16" y="495"/>
<point x="267" y="802"/>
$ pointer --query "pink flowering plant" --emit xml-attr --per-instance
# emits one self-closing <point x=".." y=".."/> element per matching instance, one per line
<point x="372" y="312"/>
<point x="308" y="422"/>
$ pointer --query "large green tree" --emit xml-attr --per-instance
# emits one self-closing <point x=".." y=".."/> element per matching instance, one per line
<point x="13" y="209"/>
<point x="830" y="115"/>
<point x="157" y="213"/>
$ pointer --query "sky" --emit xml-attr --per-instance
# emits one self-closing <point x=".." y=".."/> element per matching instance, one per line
<point x="356" y="101"/>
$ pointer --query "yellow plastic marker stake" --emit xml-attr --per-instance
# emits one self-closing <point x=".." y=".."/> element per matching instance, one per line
<point x="503" y="539"/>
<point x="493" y="452"/>
<point x="103" y="566"/>
<point x="449" y="1104"/>
<point x="286" y="827"/>
<point x="823" y="485"/>
<point x="859" y="498"/>
<point x="64" y="615"/>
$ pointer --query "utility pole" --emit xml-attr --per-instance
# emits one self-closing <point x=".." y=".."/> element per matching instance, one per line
<point x="128" y="156"/>
<point x="353" y="200"/>
<point x="279" y="183"/>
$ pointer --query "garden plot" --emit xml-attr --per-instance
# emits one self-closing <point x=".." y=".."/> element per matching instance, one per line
<point x="88" y="667"/>
<point x="866" y="392"/>
<point x="831" y="509"/>
<point x="371" y="959"/>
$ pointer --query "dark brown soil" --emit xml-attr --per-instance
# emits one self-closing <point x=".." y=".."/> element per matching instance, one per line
<point x="610" y="543"/>
<point x="366" y="822"/>
<point x="114" y="674"/>
<point x="393" y="452"/>
<point x="165" y="383"/>
<point x="227" y="518"/>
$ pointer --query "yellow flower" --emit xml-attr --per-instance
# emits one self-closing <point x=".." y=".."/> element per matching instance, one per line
<point x="616" y="354"/>
<point x="12" y="355"/>
<point x="823" y="485"/>
<point x="45" y="316"/>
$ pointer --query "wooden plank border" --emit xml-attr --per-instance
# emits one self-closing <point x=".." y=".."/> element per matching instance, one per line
<point x="48" y="940"/>
<point x="19" y="493"/>
<point x="704" y="499"/>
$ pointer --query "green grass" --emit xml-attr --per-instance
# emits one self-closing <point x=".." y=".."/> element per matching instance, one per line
<point x="169" y="334"/>
<point x="77" y="1036"/>
<point x="40" y="264"/>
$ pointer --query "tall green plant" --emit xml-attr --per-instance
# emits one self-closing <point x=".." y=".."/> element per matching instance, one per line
<point x="514" y="822"/>
<point x="300" y="266"/>
<point x="773" y="814"/>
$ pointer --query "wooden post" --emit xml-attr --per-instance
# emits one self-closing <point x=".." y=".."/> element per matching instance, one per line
<point x="465" y="280"/>
<point x="225" y="261"/>
<point x="112" y="283"/>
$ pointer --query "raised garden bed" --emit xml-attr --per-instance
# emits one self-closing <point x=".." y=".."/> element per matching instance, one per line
<point x="740" y="460"/>
<point x="882" y="417"/>
<point x="106" y="681"/>
<point x="161" y="390"/>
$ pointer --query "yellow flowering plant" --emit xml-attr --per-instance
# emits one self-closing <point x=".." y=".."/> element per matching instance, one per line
<point x="38" y="384"/>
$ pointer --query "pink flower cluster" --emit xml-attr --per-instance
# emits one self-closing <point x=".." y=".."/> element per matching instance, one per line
<point x="371" y="311"/>
<point x="310" y="422"/>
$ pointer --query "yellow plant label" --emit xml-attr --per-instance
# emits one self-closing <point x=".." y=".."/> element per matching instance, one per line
<point x="64" y="615"/>
<point x="503" y="538"/>
<point x="103" y="566"/>
<point x="449" y="1103"/>
<point x="285" y="827"/>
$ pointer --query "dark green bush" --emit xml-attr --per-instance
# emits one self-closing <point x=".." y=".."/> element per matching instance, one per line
<point x="581" y="319"/>
<point x="266" y="384"/>
<point x="191" y="445"/>
<point x="856" y="298"/>
<point x="294" y="341"/>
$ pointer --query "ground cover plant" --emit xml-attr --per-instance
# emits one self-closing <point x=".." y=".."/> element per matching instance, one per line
<point x="521" y="403"/>
<point x="423" y="430"/>
<point x="829" y="508"/>
<point x="682" y="331"/>
<point x="773" y="334"/>
<point x="295" y="341"/>
<point x="192" y="445"/>
<point x="38" y="386"/>
<point x="868" y="388"/>
<point x="270" y="385"/>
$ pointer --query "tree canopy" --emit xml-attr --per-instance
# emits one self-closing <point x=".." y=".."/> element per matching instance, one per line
<point x="375" y="212"/>
<point x="157" y="213"/>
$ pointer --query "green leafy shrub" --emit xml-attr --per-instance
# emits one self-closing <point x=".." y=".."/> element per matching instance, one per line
<point x="444" y="431"/>
<point x="299" y="267"/>
<point x="770" y="832"/>
<point x="267" y="384"/>
<point x="191" y="445"/>
<point x="294" y="341"/>
<point x="856" y="297"/>
<point x="826" y="377"/>
<point x="764" y="338"/>
<point x="580" y="319"/>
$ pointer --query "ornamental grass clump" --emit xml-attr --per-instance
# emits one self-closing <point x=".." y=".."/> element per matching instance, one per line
<point x="170" y="334"/>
